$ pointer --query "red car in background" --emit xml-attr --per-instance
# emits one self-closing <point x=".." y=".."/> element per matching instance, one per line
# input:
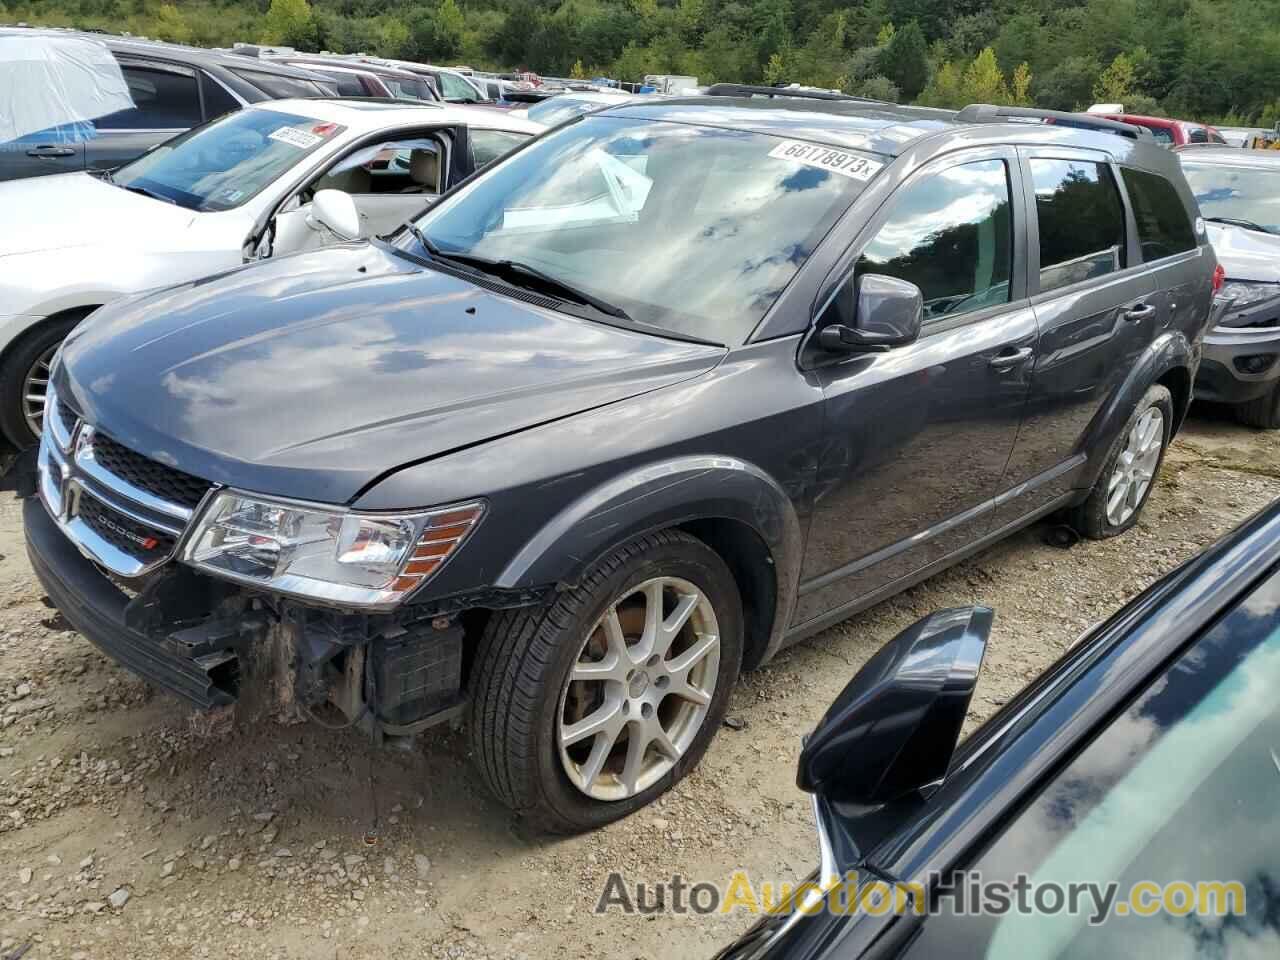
<point x="1170" y="132"/>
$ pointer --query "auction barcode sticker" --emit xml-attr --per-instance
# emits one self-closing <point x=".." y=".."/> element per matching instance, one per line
<point x="826" y="158"/>
<point x="296" y="138"/>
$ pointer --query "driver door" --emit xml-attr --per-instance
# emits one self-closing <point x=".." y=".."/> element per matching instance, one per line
<point x="390" y="180"/>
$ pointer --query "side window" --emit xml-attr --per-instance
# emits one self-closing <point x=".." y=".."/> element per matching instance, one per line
<point x="455" y="88"/>
<point x="950" y="235"/>
<point x="162" y="101"/>
<point x="411" y="165"/>
<point x="1081" y="221"/>
<point x="1164" y="227"/>
<point x="488" y="145"/>
<point x="216" y="99"/>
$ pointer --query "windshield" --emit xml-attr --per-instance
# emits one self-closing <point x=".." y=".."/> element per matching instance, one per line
<point x="1249" y="194"/>
<point x="690" y="229"/>
<point x="225" y="163"/>
<point x="554" y="110"/>
<point x="454" y="88"/>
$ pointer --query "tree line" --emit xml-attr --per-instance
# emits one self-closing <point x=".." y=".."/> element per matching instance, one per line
<point x="1211" y="60"/>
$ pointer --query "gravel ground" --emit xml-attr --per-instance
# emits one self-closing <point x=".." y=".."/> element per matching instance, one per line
<point x="132" y="829"/>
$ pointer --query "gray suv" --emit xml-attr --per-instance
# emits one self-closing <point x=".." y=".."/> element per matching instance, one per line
<point x="670" y="387"/>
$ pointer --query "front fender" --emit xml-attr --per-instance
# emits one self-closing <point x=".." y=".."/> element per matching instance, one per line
<point x="658" y="496"/>
<point x="1167" y="352"/>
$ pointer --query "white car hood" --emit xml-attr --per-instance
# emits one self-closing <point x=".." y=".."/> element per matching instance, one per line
<point x="76" y="209"/>
<point x="1246" y="254"/>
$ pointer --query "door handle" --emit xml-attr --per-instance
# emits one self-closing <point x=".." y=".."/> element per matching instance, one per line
<point x="51" y="152"/>
<point x="1141" y="312"/>
<point x="1009" y="358"/>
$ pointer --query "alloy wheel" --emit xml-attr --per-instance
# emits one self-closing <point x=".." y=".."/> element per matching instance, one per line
<point x="640" y="689"/>
<point x="1135" y="467"/>
<point x="35" y="390"/>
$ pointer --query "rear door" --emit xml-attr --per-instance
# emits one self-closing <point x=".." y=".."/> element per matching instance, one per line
<point x="166" y="99"/>
<point x="1096" y="310"/>
<point x="918" y="437"/>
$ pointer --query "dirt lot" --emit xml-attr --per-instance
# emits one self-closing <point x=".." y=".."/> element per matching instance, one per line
<point x="250" y="842"/>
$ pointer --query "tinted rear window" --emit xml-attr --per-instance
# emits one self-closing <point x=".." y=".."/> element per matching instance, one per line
<point x="280" y="87"/>
<point x="1164" y="227"/>
<point x="1081" y="221"/>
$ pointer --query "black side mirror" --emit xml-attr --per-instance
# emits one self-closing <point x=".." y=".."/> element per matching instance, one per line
<point x="888" y="313"/>
<point x="894" y="728"/>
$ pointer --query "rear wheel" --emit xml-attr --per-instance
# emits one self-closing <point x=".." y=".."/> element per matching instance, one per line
<point x="1129" y="473"/>
<point x="24" y="379"/>
<point x="1263" y="413"/>
<point x="588" y="709"/>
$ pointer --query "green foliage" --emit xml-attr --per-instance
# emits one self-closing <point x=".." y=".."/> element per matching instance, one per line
<point x="904" y="62"/>
<point x="291" y="23"/>
<point x="1198" y="59"/>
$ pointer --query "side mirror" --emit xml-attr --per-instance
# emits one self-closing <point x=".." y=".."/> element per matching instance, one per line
<point x="894" y="728"/>
<point x="336" y="212"/>
<point x="887" y="313"/>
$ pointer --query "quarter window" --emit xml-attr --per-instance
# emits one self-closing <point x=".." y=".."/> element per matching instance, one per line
<point x="950" y="235"/>
<point x="1164" y="227"/>
<point x="1081" y="221"/>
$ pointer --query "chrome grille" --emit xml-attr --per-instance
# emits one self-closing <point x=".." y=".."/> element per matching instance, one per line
<point x="124" y="511"/>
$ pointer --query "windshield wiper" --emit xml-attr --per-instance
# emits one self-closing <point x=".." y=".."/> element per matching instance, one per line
<point x="1237" y="222"/>
<point x="513" y="268"/>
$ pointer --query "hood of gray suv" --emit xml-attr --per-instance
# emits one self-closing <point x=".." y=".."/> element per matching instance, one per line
<point x="312" y="376"/>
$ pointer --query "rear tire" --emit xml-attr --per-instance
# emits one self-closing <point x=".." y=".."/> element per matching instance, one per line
<point x="1130" y="469"/>
<point x="529" y="720"/>
<point x="1262" y="413"/>
<point x="20" y="362"/>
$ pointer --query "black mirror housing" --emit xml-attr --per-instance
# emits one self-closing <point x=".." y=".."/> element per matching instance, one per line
<point x="894" y="728"/>
<point x="888" y="313"/>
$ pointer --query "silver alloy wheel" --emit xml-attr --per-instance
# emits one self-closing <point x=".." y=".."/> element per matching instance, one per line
<point x="35" y="389"/>
<point x="1135" y="467"/>
<point x="640" y="689"/>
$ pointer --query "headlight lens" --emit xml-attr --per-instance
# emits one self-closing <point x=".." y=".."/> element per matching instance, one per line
<point x="323" y="553"/>
<point x="1245" y="293"/>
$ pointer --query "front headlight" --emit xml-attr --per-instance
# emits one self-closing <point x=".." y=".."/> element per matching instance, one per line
<point x="325" y="553"/>
<point x="1245" y="293"/>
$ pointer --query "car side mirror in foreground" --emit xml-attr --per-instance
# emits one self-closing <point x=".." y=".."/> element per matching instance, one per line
<point x="888" y="313"/>
<point x="336" y="212"/>
<point x="894" y="728"/>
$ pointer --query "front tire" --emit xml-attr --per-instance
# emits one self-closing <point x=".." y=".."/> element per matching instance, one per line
<point x="1130" y="470"/>
<point x="1263" y="413"/>
<point x="24" y="379"/>
<point x="587" y="709"/>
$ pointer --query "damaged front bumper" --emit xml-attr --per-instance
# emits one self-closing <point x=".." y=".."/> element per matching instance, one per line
<point x="214" y="644"/>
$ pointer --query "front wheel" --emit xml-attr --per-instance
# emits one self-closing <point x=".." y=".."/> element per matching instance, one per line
<point x="1129" y="473"/>
<point x="585" y="710"/>
<point x="24" y="379"/>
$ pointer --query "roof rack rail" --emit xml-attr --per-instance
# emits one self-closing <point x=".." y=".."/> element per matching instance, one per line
<point x="752" y="90"/>
<point x="990" y="113"/>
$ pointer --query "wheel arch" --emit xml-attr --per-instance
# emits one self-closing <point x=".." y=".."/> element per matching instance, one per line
<point x="1170" y="361"/>
<point x="733" y="506"/>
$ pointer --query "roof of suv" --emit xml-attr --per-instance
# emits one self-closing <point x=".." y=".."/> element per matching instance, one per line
<point x="194" y="55"/>
<point x="884" y="128"/>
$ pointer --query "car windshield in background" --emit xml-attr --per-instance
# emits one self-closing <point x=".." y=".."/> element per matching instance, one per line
<point x="406" y="88"/>
<point x="555" y="110"/>
<point x="454" y="88"/>
<point x="225" y="163"/>
<point x="1244" y="194"/>
<point x="690" y="229"/>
